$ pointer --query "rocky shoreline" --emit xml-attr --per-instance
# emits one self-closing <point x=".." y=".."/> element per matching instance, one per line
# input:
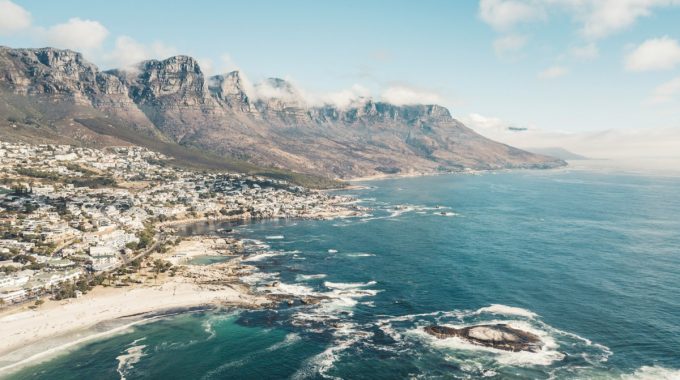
<point x="499" y="336"/>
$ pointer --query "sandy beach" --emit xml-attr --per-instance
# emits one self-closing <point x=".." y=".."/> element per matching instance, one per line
<point x="22" y="327"/>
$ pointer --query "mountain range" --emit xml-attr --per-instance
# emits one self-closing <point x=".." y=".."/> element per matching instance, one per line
<point x="55" y="95"/>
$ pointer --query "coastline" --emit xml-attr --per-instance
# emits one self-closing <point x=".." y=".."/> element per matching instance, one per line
<point x="39" y="332"/>
<point x="56" y="326"/>
<point x="32" y="330"/>
<point x="380" y="177"/>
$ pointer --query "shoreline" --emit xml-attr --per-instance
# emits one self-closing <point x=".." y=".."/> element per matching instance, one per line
<point x="56" y="326"/>
<point x="380" y="177"/>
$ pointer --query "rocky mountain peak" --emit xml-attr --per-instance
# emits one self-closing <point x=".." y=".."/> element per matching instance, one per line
<point x="179" y="77"/>
<point x="271" y="123"/>
<point x="49" y="71"/>
<point x="230" y="88"/>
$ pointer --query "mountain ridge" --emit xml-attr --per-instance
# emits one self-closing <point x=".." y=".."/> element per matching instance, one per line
<point x="172" y="100"/>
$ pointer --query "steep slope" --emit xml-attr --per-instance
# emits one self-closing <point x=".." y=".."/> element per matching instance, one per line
<point x="173" y="102"/>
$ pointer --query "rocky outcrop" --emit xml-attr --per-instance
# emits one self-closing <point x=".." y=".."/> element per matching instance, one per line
<point x="499" y="336"/>
<point x="269" y="123"/>
<point x="230" y="89"/>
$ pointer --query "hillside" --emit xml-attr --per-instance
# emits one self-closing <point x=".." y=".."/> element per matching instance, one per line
<point x="56" y="95"/>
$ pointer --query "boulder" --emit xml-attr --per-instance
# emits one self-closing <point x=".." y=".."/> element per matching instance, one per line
<point x="499" y="336"/>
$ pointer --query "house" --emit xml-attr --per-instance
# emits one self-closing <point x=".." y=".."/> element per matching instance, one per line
<point x="14" y="295"/>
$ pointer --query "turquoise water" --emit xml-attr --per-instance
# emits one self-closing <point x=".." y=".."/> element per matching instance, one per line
<point x="589" y="261"/>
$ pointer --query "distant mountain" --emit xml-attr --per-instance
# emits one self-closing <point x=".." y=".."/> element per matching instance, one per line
<point x="55" y="95"/>
<point x="557" y="152"/>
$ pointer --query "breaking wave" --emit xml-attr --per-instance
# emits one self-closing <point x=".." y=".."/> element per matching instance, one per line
<point x="131" y="357"/>
<point x="307" y="277"/>
<point x="348" y="285"/>
<point x="408" y="333"/>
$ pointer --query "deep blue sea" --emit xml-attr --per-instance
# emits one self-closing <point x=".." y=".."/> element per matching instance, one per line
<point x="589" y="261"/>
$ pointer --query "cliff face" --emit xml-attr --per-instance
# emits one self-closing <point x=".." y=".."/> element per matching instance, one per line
<point x="172" y="99"/>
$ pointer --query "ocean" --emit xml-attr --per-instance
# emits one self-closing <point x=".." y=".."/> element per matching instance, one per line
<point x="587" y="260"/>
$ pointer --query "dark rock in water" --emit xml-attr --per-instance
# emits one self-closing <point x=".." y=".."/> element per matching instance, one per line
<point x="313" y="300"/>
<point x="500" y="336"/>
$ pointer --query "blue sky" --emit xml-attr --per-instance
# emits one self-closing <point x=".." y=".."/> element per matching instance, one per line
<point x="552" y="65"/>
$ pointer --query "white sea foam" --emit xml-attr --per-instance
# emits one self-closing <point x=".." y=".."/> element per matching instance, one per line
<point x="274" y="237"/>
<point x="546" y="356"/>
<point x="319" y="364"/>
<point x="446" y="213"/>
<point x="261" y="256"/>
<point x="209" y="323"/>
<point x="257" y="278"/>
<point x="131" y="357"/>
<point x="71" y="344"/>
<point x="653" y="373"/>
<point x="401" y="210"/>
<point x="405" y="329"/>
<point x="347" y="285"/>
<point x="360" y="254"/>
<point x="307" y="277"/>
<point x="506" y="310"/>
<point x="347" y="335"/>
<point x="289" y="340"/>
<point x="293" y="289"/>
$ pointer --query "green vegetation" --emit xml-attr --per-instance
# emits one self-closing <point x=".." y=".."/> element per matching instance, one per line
<point x="92" y="182"/>
<point x="69" y="289"/>
<point x="161" y="266"/>
<point x="146" y="237"/>
<point x="20" y="190"/>
<point x="28" y="172"/>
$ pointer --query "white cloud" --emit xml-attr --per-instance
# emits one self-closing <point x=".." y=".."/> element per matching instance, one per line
<point x="269" y="89"/>
<point x="127" y="52"/>
<point x="508" y="45"/>
<point x="344" y="98"/>
<point x="601" y="18"/>
<point x="484" y="123"/>
<point x="77" y="34"/>
<point x="292" y="94"/>
<point x="585" y="53"/>
<point x="666" y="92"/>
<point x="628" y="148"/>
<point x="654" y="54"/>
<point x="553" y="72"/>
<point x="13" y="18"/>
<point x="224" y="64"/>
<point x="403" y="95"/>
<point x="505" y="14"/>
<point x="595" y="19"/>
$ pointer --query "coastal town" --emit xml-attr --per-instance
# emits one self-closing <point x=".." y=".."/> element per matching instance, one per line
<point x="74" y="218"/>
